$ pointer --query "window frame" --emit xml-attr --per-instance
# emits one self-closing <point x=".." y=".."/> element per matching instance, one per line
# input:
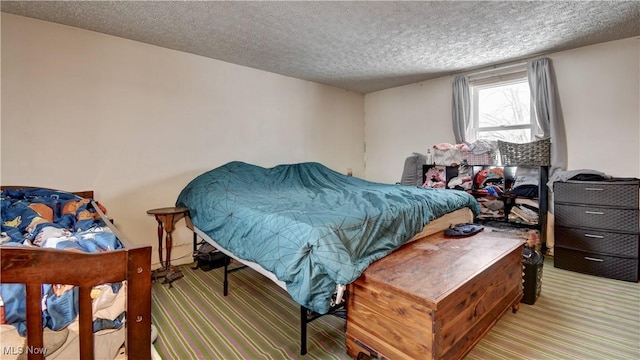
<point x="497" y="79"/>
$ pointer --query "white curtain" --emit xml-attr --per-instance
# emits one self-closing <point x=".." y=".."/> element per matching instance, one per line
<point x="548" y="114"/>
<point x="549" y="117"/>
<point x="461" y="108"/>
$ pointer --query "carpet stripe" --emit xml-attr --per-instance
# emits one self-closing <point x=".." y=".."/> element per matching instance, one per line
<point x="293" y="321"/>
<point x="207" y="324"/>
<point x="281" y="305"/>
<point x="255" y="338"/>
<point x="576" y="317"/>
<point x="168" y="307"/>
<point x="195" y="339"/>
<point x="255" y="344"/>
<point x="243" y="324"/>
<point x="252" y="315"/>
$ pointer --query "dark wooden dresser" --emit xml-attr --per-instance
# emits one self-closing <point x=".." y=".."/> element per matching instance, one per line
<point x="597" y="228"/>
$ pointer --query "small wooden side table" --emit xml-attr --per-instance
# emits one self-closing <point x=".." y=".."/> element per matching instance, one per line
<point x="166" y="218"/>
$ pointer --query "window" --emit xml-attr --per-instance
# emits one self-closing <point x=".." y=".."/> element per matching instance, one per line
<point x="501" y="109"/>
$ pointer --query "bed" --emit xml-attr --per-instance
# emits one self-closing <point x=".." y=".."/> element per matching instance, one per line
<point x="71" y="283"/>
<point x="310" y="229"/>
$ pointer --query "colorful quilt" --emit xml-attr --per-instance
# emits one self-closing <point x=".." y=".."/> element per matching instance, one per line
<point x="59" y="220"/>
<point x="312" y="227"/>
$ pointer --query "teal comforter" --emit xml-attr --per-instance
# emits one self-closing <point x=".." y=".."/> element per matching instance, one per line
<point x="311" y="226"/>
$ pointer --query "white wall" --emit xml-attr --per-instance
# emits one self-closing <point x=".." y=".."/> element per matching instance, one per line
<point x="135" y="122"/>
<point x="403" y="120"/>
<point x="599" y="90"/>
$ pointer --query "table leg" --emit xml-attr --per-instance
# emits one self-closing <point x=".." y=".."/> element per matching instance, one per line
<point x="169" y="221"/>
<point x="169" y="245"/>
<point x="165" y="228"/>
<point x="160" y="233"/>
<point x="172" y="275"/>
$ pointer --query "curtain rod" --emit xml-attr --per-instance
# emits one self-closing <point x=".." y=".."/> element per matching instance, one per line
<point x="497" y="68"/>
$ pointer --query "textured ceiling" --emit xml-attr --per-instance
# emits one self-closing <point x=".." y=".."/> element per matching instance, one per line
<point x="362" y="46"/>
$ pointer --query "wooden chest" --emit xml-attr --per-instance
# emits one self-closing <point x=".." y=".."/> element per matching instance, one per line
<point x="433" y="298"/>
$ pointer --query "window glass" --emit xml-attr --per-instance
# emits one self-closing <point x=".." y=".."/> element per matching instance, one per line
<point x="502" y="109"/>
<point x="515" y="135"/>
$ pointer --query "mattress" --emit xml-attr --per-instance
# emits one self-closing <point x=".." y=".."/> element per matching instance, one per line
<point x="460" y="216"/>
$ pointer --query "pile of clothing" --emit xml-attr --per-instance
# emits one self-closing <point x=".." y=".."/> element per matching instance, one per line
<point x="464" y="179"/>
<point x="480" y="152"/>
<point x="513" y="195"/>
<point x="489" y="186"/>
<point x="435" y="177"/>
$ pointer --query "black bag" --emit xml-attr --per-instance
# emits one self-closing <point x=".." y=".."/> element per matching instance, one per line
<point x="207" y="257"/>
<point x="463" y="230"/>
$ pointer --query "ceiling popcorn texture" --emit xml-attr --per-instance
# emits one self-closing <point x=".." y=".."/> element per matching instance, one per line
<point x="362" y="46"/>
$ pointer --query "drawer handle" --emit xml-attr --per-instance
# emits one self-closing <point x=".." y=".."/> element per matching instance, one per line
<point x="594" y="212"/>
<point x="594" y="236"/>
<point x="593" y="189"/>
<point x="593" y="259"/>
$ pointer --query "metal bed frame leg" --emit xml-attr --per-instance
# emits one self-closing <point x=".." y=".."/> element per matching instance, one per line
<point x="195" y="249"/>
<point x="225" y="283"/>
<point x="303" y="330"/>
<point x="225" y="290"/>
<point x="195" y="242"/>
<point x="307" y="316"/>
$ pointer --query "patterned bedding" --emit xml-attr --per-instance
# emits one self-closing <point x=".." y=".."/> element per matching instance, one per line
<point x="312" y="227"/>
<point x="59" y="220"/>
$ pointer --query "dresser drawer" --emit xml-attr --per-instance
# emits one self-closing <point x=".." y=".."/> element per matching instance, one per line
<point x="619" y="194"/>
<point x="623" y="220"/>
<point x="599" y="265"/>
<point x="612" y="243"/>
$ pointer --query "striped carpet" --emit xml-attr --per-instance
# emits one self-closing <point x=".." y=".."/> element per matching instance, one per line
<point x="576" y="317"/>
